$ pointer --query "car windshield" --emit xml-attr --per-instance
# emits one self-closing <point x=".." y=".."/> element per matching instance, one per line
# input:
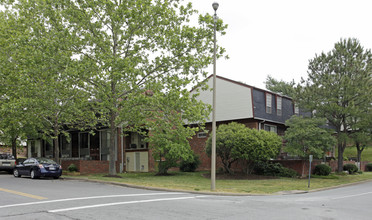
<point x="46" y="160"/>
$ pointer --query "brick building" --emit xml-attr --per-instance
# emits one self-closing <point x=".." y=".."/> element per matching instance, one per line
<point x="242" y="103"/>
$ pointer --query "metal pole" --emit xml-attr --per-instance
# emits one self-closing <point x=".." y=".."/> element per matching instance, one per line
<point x="213" y="165"/>
<point x="310" y="160"/>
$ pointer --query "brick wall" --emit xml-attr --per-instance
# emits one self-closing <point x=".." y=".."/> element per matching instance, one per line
<point x="21" y="151"/>
<point x="87" y="166"/>
<point x="297" y="165"/>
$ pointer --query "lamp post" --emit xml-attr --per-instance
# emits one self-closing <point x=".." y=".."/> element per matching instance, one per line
<point x="213" y="165"/>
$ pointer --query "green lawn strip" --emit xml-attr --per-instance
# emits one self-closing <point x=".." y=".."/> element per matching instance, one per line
<point x="196" y="182"/>
<point x="351" y="152"/>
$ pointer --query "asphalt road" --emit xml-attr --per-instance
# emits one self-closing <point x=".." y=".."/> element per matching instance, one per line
<point x="24" y="198"/>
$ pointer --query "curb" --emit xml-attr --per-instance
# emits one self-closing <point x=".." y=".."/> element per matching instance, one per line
<point x="291" y="192"/>
<point x="162" y="189"/>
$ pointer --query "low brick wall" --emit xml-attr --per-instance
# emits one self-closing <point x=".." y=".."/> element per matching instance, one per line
<point x="298" y="165"/>
<point x="87" y="166"/>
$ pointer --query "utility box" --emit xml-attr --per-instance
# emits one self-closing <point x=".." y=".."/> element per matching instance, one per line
<point x="137" y="161"/>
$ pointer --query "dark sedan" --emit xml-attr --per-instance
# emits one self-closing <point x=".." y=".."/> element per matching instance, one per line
<point x="38" y="167"/>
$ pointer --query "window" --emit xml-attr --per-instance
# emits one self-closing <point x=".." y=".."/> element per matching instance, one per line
<point x="202" y="135"/>
<point x="34" y="149"/>
<point x="66" y="144"/>
<point x="105" y="143"/>
<point x="268" y="103"/>
<point x="84" y="140"/>
<point x="137" y="141"/>
<point x="296" y="109"/>
<point x="279" y="106"/>
<point x="270" y="128"/>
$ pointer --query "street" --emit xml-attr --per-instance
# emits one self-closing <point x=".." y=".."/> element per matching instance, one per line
<point x="24" y="198"/>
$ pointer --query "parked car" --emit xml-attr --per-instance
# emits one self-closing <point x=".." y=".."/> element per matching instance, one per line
<point x="7" y="163"/>
<point x="38" y="167"/>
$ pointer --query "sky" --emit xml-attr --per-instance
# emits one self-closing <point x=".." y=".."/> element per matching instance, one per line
<point x="279" y="37"/>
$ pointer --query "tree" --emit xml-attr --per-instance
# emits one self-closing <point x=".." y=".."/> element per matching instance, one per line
<point x="228" y="137"/>
<point x="43" y="78"/>
<point x="15" y="123"/>
<point x="236" y="141"/>
<point x="281" y="87"/>
<point x="339" y="87"/>
<point x="168" y="135"/>
<point x="126" y="48"/>
<point x="307" y="136"/>
<point x="361" y="134"/>
<point x="259" y="146"/>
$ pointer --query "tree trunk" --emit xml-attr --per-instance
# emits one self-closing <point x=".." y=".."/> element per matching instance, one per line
<point x="303" y="168"/>
<point x="112" y="149"/>
<point x="340" y="157"/>
<point x="14" y="147"/>
<point x="56" y="145"/>
<point x="359" y="152"/>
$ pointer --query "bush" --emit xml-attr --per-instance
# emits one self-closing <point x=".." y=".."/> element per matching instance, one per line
<point x="273" y="169"/>
<point x="351" y="168"/>
<point x="72" y="168"/>
<point x="369" y="167"/>
<point x="322" y="170"/>
<point x="191" y="165"/>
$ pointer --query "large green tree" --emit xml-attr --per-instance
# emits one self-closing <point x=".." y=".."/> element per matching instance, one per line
<point x="236" y="141"/>
<point x="15" y="123"/>
<point x="308" y="136"/>
<point x="43" y="79"/>
<point x="339" y="87"/>
<point x="123" y="49"/>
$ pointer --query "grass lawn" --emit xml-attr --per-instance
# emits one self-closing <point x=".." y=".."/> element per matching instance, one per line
<point x="352" y="152"/>
<point x="196" y="182"/>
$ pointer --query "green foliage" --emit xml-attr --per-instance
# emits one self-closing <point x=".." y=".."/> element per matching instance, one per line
<point x="351" y="168"/>
<point x="369" y="167"/>
<point x="322" y="170"/>
<point x="72" y="168"/>
<point x="339" y="88"/>
<point x="273" y="169"/>
<point x="305" y="136"/>
<point x="190" y="165"/>
<point x="129" y="56"/>
<point x="168" y="140"/>
<point x="228" y="137"/>
<point x="236" y="141"/>
<point x="281" y="87"/>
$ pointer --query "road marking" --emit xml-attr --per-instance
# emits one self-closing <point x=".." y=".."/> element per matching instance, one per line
<point x="91" y="197"/>
<point x="123" y="203"/>
<point x="361" y="194"/>
<point x="22" y="194"/>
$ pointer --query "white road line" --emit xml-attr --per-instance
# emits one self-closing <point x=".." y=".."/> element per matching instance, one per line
<point x="361" y="194"/>
<point x="91" y="197"/>
<point x="123" y="203"/>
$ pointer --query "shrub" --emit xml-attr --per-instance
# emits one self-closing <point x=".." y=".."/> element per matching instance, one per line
<point x="190" y="165"/>
<point x="273" y="169"/>
<point x="322" y="170"/>
<point x="72" y="168"/>
<point x="351" y="168"/>
<point x="369" y="167"/>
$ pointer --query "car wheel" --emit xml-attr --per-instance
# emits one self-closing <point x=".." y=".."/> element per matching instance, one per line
<point x="16" y="173"/>
<point x="33" y="175"/>
<point x="55" y="177"/>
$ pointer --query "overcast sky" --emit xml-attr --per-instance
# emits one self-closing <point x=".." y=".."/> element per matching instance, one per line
<point x="278" y="38"/>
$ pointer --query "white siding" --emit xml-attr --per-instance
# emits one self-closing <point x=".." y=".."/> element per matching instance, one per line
<point x="233" y="101"/>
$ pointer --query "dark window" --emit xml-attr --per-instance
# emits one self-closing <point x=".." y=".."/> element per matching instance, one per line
<point x="84" y="140"/>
